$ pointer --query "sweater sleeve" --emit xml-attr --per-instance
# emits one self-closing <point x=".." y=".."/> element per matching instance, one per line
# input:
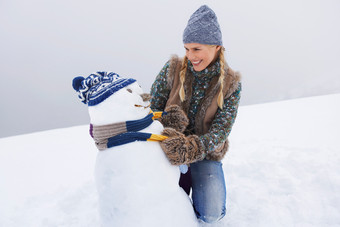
<point x="160" y="90"/>
<point x="223" y="122"/>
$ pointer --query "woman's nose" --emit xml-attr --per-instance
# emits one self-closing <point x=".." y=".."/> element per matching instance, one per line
<point x="190" y="55"/>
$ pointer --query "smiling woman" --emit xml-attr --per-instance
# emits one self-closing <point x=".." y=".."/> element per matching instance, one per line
<point x="206" y="92"/>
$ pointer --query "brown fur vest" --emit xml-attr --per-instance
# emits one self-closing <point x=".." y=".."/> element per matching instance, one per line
<point x="208" y="108"/>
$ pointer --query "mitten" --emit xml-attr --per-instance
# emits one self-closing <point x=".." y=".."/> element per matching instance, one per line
<point x="180" y="149"/>
<point x="175" y="118"/>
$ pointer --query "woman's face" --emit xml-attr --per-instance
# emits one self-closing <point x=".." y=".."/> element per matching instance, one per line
<point x="201" y="55"/>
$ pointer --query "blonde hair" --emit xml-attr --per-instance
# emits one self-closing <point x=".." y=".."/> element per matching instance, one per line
<point x="220" y="98"/>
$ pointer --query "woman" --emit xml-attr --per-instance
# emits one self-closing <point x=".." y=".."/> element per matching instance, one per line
<point x="201" y="95"/>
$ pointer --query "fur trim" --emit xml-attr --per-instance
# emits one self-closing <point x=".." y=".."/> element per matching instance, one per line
<point x="236" y="79"/>
<point x="180" y="149"/>
<point x="175" y="66"/>
<point x="175" y="118"/>
<point x="189" y="78"/>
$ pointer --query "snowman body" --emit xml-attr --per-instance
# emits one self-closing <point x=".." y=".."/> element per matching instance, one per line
<point x="136" y="184"/>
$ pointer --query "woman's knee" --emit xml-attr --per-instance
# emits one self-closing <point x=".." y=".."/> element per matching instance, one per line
<point x="209" y="191"/>
<point x="211" y="217"/>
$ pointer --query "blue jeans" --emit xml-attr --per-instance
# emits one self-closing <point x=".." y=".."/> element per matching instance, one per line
<point x="208" y="189"/>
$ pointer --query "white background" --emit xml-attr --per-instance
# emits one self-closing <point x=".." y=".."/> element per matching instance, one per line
<point x="284" y="49"/>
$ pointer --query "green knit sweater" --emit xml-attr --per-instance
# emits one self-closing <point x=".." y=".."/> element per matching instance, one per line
<point x="224" y="119"/>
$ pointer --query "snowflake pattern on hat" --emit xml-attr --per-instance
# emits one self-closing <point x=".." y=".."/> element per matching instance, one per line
<point x="98" y="86"/>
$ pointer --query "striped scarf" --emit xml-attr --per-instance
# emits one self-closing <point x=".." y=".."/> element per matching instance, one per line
<point x="106" y="136"/>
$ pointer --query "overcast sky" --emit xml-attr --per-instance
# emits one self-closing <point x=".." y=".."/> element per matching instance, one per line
<point x="284" y="49"/>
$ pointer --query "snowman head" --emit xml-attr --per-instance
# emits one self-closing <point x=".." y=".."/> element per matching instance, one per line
<point x="111" y="98"/>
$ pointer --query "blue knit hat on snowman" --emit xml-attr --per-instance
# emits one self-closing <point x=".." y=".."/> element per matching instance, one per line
<point x="203" y="28"/>
<point x="99" y="86"/>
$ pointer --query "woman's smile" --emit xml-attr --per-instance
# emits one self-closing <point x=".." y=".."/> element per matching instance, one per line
<point x="196" y="63"/>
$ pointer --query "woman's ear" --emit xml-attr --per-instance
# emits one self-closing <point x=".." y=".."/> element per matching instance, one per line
<point x="218" y="48"/>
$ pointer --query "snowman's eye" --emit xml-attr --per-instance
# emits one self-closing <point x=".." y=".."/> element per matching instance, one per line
<point x="129" y="90"/>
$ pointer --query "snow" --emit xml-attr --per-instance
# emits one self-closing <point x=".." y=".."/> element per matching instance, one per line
<point x="282" y="169"/>
<point x="284" y="164"/>
<point x="47" y="179"/>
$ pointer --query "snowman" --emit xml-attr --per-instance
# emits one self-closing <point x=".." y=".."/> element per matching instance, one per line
<point x="136" y="184"/>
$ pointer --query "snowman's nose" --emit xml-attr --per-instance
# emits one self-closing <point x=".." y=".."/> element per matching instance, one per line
<point x="136" y="105"/>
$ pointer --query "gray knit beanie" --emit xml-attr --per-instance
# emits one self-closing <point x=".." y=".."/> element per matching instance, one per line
<point x="203" y="28"/>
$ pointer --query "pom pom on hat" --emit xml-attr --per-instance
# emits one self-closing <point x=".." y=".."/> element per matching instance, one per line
<point x="76" y="83"/>
<point x="203" y="28"/>
<point x="99" y="86"/>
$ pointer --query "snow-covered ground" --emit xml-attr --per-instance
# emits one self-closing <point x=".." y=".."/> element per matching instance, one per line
<point x="283" y="169"/>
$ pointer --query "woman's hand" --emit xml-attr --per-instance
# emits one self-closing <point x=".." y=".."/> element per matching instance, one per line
<point x="175" y="118"/>
<point x="180" y="149"/>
